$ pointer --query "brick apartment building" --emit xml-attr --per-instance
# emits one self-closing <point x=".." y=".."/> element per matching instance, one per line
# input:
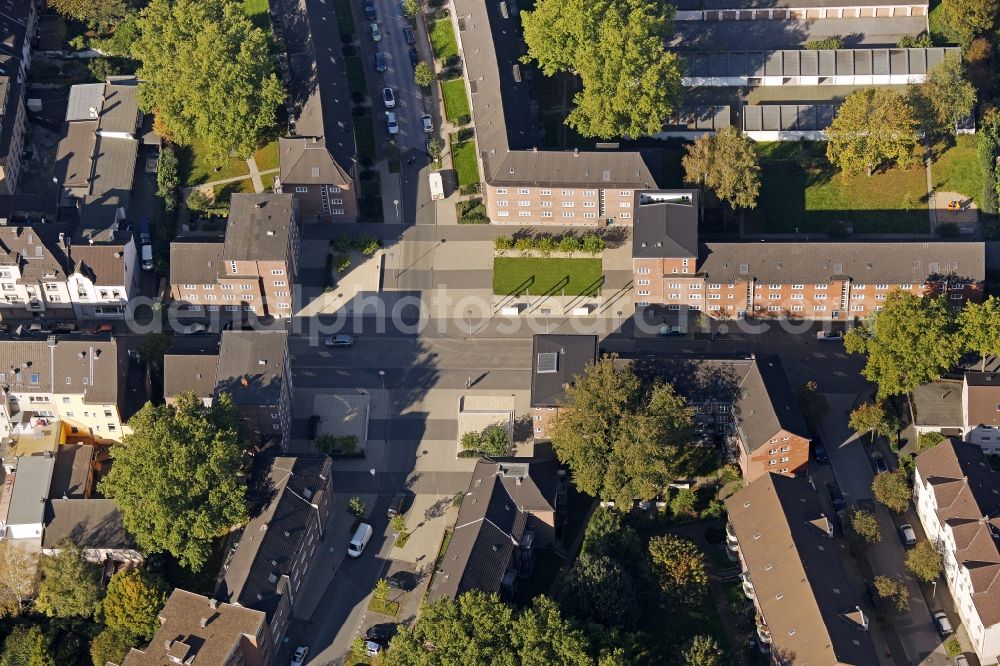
<point x="252" y="270"/>
<point x="734" y="10"/>
<point x="556" y="360"/>
<point x="324" y="190"/>
<point x="801" y="280"/>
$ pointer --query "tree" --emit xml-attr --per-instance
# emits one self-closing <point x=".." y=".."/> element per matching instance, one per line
<point x="872" y="418"/>
<point x="812" y="404"/>
<point x="910" y="342"/>
<point x="924" y="562"/>
<point x="969" y="18"/>
<point x="110" y="646"/>
<point x="682" y="504"/>
<point x="132" y="604"/>
<point x="198" y="201"/>
<point x="100" y="14"/>
<point x="492" y="441"/>
<point x="423" y="75"/>
<point x="592" y="244"/>
<point x="176" y="477"/>
<point x="679" y="565"/>
<point x="950" y="95"/>
<point x="569" y="244"/>
<point x="630" y="82"/>
<point x="26" y="646"/>
<point x="154" y="346"/>
<point x="892" y="489"/>
<point x="411" y="8"/>
<point x="979" y="324"/>
<point x="599" y="589"/>
<point x="70" y="586"/>
<point x="398" y="525"/>
<point x="873" y="126"/>
<point x="356" y="507"/>
<point x="864" y="525"/>
<point x="167" y="177"/>
<point x="702" y="651"/>
<point x="828" y="44"/>
<point x="891" y="595"/>
<point x="381" y="591"/>
<point x="542" y="636"/>
<point x="207" y="74"/>
<point x="727" y="163"/>
<point x="502" y="244"/>
<point x="18" y="571"/>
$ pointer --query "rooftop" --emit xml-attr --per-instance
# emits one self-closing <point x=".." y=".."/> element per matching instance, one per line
<point x="856" y="32"/>
<point x="805" y="63"/>
<point x="308" y="161"/>
<point x="937" y="404"/>
<point x="89" y="523"/>
<point x="251" y="366"/>
<point x="556" y="362"/>
<point x="666" y="224"/>
<point x="195" y="262"/>
<point x="31" y="488"/>
<point x="73" y="472"/>
<point x="258" y="227"/>
<point x="184" y="371"/>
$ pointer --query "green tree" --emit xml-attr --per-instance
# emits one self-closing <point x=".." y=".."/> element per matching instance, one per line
<point x="910" y="342"/>
<point x="167" y="177"/>
<point x="198" y="201"/>
<point x="207" y="74"/>
<point x="492" y="441"/>
<point x="18" y="571"/>
<point x="727" y="163"/>
<point x="600" y="589"/>
<point x="891" y="596"/>
<point x="953" y="647"/>
<point x="398" y="524"/>
<point x="864" y="525"/>
<point x="176" y="477"/>
<point x="154" y="346"/>
<point x="100" y="14"/>
<point x="969" y="18"/>
<point x="542" y="636"/>
<point x="682" y="504"/>
<point x="592" y="244"/>
<point x="132" y="604"/>
<point x="423" y="75"/>
<point x="119" y="43"/>
<point x="356" y="507"/>
<point x="620" y="441"/>
<point x="569" y="244"/>
<point x="872" y="418"/>
<point x="892" y="489"/>
<point x="630" y="82"/>
<point x="26" y="646"/>
<point x="873" y="126"/>
<point x="381" y="590"/>
<point x="110" y="646"/>
<point x="828" y="44"/>
<point x="979" y="324"/>
<point x="702" y="651"/>
<point x="950" y="94"/>
<point x="924" y="562"/>
<point x="411" y="8"/>
<point x="679" y="566"/>
<point x="812" y="404"/>
<point x="70" y="586"/>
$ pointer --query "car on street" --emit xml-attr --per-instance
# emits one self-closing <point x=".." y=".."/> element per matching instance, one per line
<point x="836" y="497"/>
<point x="907" y="535"/>
<point x="370" y="10"/>
<point x="391" y="124"/>
<point x="427" y="123"/>
<point x="299" y="657"/>
<point x="880" y="465"/>
<point x="942" y="623"/>
<point x="414" y="57"/>
<point x="194" y="329"/>
<point x="388" y="98"/>
<point x="375" y="32"/>
<point x="408" y="34"/>
<point x="819" y="451"/>
<point x="402" y="580"/>
<point x="372" y="648"/>
<point x="380" y="64"/>
<point x="671" y="331"/>
<point x="339" y="341"/>
<point x="829" y="336"/>
<point x="396" y="504"/>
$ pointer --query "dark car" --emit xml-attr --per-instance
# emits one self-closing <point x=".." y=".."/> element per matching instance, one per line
<point x="396" y="504"/>
<point x="402" y="580"/>
<point x="369" y="10"/>
<point x="836" y="497"/>
<point x="819" y="451"/>
<point x="381" y="633"/>
<point x="380" y="64"/>
<point x="408" y="33"/>
<point x="414" y="57"/>
<point x="880" y="466"/>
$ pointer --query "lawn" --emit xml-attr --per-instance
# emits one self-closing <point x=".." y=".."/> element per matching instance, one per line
<point x="384" y="607"/>
<point x="940" y="32"/>
<point x="957" y="169"/>
<point x="197" y="168"/>
<point x="256" y="11"/>
<point x="463" y="160"/>
<point x="801" y="191"/>
<point x="267" y="157"/>
<point x="570" y="277"/>
<point x="443" y="40"/>
<point x="456" y="102"/>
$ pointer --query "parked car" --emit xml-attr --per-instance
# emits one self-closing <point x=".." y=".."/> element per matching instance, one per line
<point x="880" y="466"/>
<point x="414" y="57"/>
<point x="152" y="160"/>
<point x="819" y="451"/>
<point x="942" y="623"/>
<point x="339" y="341"/>
<point x="408" y="34"/>
<point x="380" y="65"/>
<point x="370" y="10"/>
<point x="908" y="536"/>
<point x="396" y="504"/>
<point x="391" y="123"/>
<point x="299" y="657"/>
<point x="361" y="537"/>
<point x="194" y="329"/>
<point x="372" y="648"/>
<point x="375" y="32"/>
<point x="147" y="257"/>
<point x="388" y="98"/>
<point x="671" y="331"/>
<point x="829" y="336"/>
<point x="103" y="328"/>
<point x="402" y="580"/>
<point x="427" y="123"/>
<point x="836" y="497"/>
<point x="144" y="234"/>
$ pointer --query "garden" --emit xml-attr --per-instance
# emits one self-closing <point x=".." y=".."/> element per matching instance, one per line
<point x="514" y="276"/>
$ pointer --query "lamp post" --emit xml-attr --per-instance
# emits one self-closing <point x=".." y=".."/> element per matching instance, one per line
<point x="395" y="202"/>
<point x="381" y="375"/>
<point x="619" y="319"/>
<point x="468" y="320"/>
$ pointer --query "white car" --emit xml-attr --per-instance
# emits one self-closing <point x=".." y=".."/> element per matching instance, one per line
<point x="372" y="648"/>
<point x="192" y="329"/>
<point x="391" y="124"/>
<point x="829" y="336"/>
<point x="942" y="623"/>
<point x="427" y="123"/>
<point x="388" y="98"/>
<point x="376" y="34"/>
<point x="300" y="655"/>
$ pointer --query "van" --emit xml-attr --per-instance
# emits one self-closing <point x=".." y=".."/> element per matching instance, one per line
<point x="144" y="234"/>
<point x="147" y="257"/>
<point x="361" y="537"/>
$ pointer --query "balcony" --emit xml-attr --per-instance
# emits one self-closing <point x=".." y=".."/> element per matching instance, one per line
<point x="763" y="637"/>
<point x="747" y="586"/>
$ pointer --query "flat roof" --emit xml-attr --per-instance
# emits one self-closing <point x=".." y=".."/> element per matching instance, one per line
<point x="31" y="488"/>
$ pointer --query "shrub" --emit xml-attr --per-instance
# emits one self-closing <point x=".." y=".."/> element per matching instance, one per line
<point x="356" y="507"/>
<point x="466" y="134"/>
<point x="341" y="262"/>
<point x="929" y="440"/>
<point x="593" y="244"/>
<point x="503" y="243"/>
<point x="434" y="147"/>
<point x="546" y="245"/>
<point x="198" y="200"/>
<point x="471" y="211"/>
<point x="358" y="98"/>
<point x="463" y="120"/>
<point x="367" y="245"/>
<point x="921" y="41"/>
<point x="682" y="505"/>
<point x="825" y="44"/>
<point x="471" y="188"/>
<point x="423" y="75"/>
<point x="525" y="245"/>
<point x="569" y="244"/>
<point x="953" y="647"/>
<point x="359" y="111"/>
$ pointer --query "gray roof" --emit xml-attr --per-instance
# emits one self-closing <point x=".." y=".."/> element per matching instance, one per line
<point x="856" y="32"/>
<point x="120" y="107"/>
<point x="767" y="4"/>
<point x="666" y="224"/>
<point x="840" y="62"/>
<point x="74" y="153"/>
<point x="259" y="227"/>
<point x="788" y="117"/>
<point x="35" y="250"/>
<point x="26" y="365"/>
<point x="699" y="118"/>
<point x="185" y="371"/>
<point x="567" y="357"/>
<point x="251" y="366"/>
<point x="195" y="262"/>
<point x="85" y="100"/>
<point x="31" y="488"/>
<point x="94" y="367"/>
<point x="74" y="463"/>
<point x="113" y="167"/>
<point x="104" y="265"/>
<point x="88" y="523"/>
<point x="937" y="404"/>
<point x="307" y="161"/>
<point x="284" y="496"/>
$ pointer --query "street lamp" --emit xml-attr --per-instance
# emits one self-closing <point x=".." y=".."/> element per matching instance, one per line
<point x="619" y="319"/>
<point x="395" y="202"/>
<point x="395" y="266"/>
<point x="468" y="320"/>
<point x="381" y="375"/>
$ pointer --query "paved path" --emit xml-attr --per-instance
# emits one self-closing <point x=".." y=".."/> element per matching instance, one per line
<point x="258" y="183"/>
<point x="186" y="191"/>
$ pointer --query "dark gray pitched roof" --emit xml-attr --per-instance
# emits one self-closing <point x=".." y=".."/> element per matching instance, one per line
<point x="104" y="265"/>
<point x="195" y="262"/>
<point x="251" y="366"/>
<point x="185" y="371"/>
<point x="88" y="523"/>
<point x="666" y="224"/>
<point x="72" y="473"/>
<point x="307" y="161"/>
<point x="35" y="250"/>
<point x="258" y="228"/>
<point x="567" y="356"/>
<point x="791" y="62"/>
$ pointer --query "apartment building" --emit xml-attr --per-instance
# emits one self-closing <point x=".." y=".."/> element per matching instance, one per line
<point x="33" y="273"/>
<point x="806" y="612"/>
<point x="556" y="362"/>
<point x="736" y="10"/>
<point x="252" y="269"/>
<point x="969" y="409"/>
<point x="81" y="380"/>
<point x="323" y="189"/>
<point x="290" y="508"/>
<point x="674" y="271"/>
<point x="957" y="497"/>
<point x="199" y="630"/>
<point x="18" y="24"/>
<point x="523" y="184"/>
<point x="253" y="367"/>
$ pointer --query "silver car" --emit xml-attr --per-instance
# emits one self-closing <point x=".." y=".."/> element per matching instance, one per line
<point x="339" y="341"/>
<point x="942" y="623"/>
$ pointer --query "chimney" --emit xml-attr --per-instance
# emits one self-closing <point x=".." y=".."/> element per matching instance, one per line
<point x="259" y="204"/>
<point x="213" y="603"/>
<point x="576" y="152"/>
<point x="93" y="111"/>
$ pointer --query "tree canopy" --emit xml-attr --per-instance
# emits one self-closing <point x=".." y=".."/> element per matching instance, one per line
<point x="621" y="441"/>
<point x="872" y="418"/>
<point x="100" y="14"/>
<point x="18" y="571"/>
<point x="631" y="83"/>
<point x="892" y="489"/>
<point x="924" y="562"/>
<point x="968" y="18"/>
<point x="26" y="646"/>
<point x="493" y="440"/>
<point x="110" y="645"/>
<point x="207" y="74"/>
<point x="176" y="477"/>
<point x="909" y="343"/>
<point x="980" y="327"/>
<point x="949" y="93"/>
<point x="132" y="604"/>
<point x="70" y="586"/>
<point x="680" y="567"/>
<point x="873" y="126"/>
<point x="891" y="596"/>
<point x="864" y="525"/>
<point x="702" y="651"/>
<point x="727" y="163"/>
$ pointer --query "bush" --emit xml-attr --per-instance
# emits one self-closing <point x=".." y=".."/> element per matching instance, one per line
<point x="825" y="44"/>
<point x="367" y="245"/>
<point x="929" y="440"/>
<point x="953" y="647"/>
<point x="423" y="75"/>
<point x="341" y="262"/>
<point x="471" y="188"/>
<point x="593" y="244"/>
<point x="463" y="120"/>
<point x="471" y="211"/>
<point x="503" y="243"/>
<point x="356" y="507"/>
<point x="466" y="134"/>
<point x="948" y="230"/>
<point x="546" y="245"/>
<point x="921" y="41"/>
<point x="682" y="505"/>
<point x="440" y="14"/>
